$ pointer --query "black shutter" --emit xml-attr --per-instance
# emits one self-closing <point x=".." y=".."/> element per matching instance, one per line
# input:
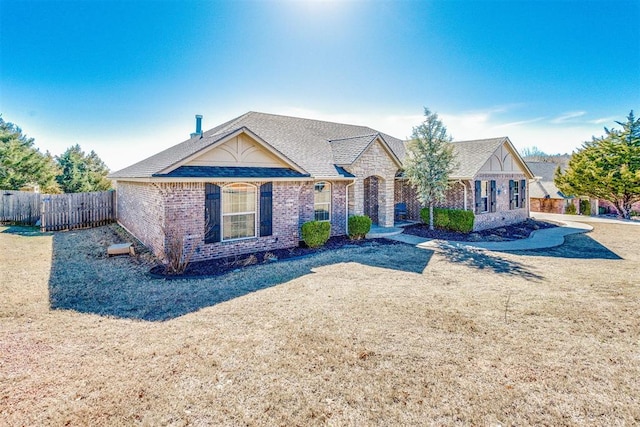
<point x="478" y="197"/>
<point x="212" y="213"/>
<point x="493" y="196"/>
<point x="511" y="189"/>
<point x="523" y="193"/>
<point x="266" y="209"/>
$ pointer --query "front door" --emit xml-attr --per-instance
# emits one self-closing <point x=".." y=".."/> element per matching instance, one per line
<point x="371" y="188"/>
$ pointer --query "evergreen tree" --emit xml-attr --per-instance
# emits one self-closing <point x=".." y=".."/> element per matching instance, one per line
<point x="22" y="164"/>
<point x="430" y="160"/>
<point x="82" y="173"/>
<point x="607" y="168"/>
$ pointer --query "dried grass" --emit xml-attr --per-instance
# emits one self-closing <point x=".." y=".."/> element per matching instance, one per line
<point x="356" y="337"/>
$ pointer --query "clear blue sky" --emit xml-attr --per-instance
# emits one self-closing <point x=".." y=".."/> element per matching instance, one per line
<point x="125" y="78"/>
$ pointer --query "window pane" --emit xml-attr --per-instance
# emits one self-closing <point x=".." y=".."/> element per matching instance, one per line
<point x="239" y="226"/>
<point x="239" y="198"/>
<point x="321" y="213"/>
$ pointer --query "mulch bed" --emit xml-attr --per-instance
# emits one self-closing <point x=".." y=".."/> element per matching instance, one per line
<point x="220" y="266"/>
<point x="521" y="230"/>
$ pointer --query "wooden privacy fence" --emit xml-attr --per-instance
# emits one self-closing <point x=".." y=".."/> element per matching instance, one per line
<point x="19" y="206"/>
<point x="55" y="212"/>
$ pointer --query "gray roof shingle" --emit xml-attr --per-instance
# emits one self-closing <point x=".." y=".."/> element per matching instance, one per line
<point x="313" y="145"/>
<point x="472" y="155"/>
<point x="544" y="187"/>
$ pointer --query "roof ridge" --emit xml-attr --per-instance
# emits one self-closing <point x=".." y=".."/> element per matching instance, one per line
<point x="501" y="138"/>
<point x="312" y="120"/>
<point x="354" y="137"/>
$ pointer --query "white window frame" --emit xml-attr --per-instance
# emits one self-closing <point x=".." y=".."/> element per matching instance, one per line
<point x="254" y="212"/>
<point x="485" y="196"/>
<point x="327" y="204"/>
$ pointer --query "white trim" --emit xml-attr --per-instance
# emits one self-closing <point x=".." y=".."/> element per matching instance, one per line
<point x="346" y="207"/>
<point x="255" y="213"/>
<point x="238" y="132"/>
<point x="330" y="202"/>
<point x="160" y="180"/>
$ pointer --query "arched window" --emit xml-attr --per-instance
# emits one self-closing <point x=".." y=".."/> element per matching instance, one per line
<point x="238" y="211"/>
<point x="322" y="201"/>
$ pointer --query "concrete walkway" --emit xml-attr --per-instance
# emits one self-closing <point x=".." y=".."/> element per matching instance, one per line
<point x="539" y="239"/>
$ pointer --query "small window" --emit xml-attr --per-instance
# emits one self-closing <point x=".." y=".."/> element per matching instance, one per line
<point x="516" y="195"/>
<point x="238" y="211"/>
<point x="322" y="201"/>
<point x="484" y="196"/>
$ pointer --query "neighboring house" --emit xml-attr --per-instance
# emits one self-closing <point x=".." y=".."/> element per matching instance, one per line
<point x="250" y="183"/>
<point x="544" y="196"/>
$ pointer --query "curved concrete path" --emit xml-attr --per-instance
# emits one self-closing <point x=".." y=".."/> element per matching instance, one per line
<point x="539" y="239"/>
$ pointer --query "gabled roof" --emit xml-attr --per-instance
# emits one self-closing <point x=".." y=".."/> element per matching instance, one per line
<point x="544" y="187"/>
<point x="312" y="145"/>
<point x="473" y="155"/>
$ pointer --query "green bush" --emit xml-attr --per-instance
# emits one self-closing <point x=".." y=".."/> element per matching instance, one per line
<point x="571" y="209"/>
<point x="440" y="217"/>
<point x="450" y="219"/>
<point x="316" y="233"/>
<point x="461" y="221"/>
<point x="585" y="207"/>
<point x="359" y="226"/>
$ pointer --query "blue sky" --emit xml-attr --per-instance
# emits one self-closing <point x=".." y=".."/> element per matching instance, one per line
<point x="125" y="78"/>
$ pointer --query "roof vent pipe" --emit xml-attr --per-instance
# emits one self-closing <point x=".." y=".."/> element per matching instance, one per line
<point x="198" y="126"/>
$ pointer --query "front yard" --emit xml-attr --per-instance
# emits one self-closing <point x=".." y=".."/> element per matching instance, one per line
<point x="387" y="334"/>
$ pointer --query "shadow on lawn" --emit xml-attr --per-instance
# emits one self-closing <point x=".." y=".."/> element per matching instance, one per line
<point x="578" y="246"/>
<point x="84" y="279"/>
<point x="24" y="230"/>
<point x="482" y="260"/>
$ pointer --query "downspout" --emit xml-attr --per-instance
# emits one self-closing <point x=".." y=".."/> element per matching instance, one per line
<point x="465" y="192"/>
<point x="347" y="206"/>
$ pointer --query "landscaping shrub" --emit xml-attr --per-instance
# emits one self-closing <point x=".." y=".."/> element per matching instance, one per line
<point x="450" y="219"/>
<point x="585" y="207"/>
<point x="316" y="233"/>
<point x="461" y="220"/>
<point x="440" y="218"/>
<point x="359" y="226"/>
<point x="571" y="209"/>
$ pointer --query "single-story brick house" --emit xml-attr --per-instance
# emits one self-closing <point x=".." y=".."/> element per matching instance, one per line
<point x="248" y="185"/>
<point x="544" y="196"/>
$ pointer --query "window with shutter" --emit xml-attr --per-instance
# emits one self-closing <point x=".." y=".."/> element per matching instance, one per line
<point x="212" y="213"/>
<point x="511" y="193"/>
<point x="266" y="209"/>
<point x="493" y="196"/>
<point x="523" y="193"/>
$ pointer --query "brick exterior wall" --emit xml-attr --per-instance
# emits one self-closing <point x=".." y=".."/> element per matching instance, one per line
<point x="406" y="193"/>
<point x="454" y="197"/>
<point x="503" y="215"/>
<point x="141" y="212"/>
<point x="548" y="205"/>
<point x="338" y="206"/>
<point x="375" y="161"/>
<point x="147" y="210"/>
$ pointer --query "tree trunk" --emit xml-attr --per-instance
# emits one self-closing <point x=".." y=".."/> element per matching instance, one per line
<point x="624" y="209"/>
<point x="430" y="216"/>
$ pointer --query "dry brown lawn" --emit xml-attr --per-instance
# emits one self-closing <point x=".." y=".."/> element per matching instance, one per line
<point x="358" y="337"/>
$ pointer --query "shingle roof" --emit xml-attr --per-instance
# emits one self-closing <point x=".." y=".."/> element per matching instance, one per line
<point x="472" y="155"/>
<point x="232" y="172"/>
<point x="544" y="187"/>
<point x="304" y="142"/>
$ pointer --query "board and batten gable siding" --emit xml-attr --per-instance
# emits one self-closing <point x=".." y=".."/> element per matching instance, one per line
<point x="241" y="150"/>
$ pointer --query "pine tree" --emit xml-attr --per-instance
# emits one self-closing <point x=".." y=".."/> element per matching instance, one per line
<point x="607" y="168"/>
<point x="81" y="172"/>
<point x="22" y="164"/>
